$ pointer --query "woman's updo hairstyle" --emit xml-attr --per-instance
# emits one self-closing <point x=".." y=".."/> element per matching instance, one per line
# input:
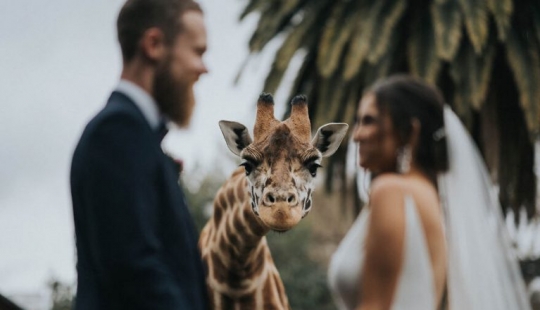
<point x="405" y="98"/>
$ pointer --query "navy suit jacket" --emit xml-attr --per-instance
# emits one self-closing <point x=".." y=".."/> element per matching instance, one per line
<point x="136" y="242"/>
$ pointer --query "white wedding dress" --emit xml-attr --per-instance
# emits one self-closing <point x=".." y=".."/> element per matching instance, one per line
<point x="415" y="288"/>
<point x="483" y="271"/>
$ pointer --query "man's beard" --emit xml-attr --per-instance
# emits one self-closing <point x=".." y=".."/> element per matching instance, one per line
<point x="175" y="98"/>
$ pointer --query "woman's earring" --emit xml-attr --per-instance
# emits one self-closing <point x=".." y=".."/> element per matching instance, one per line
<point x="404" y="157"/>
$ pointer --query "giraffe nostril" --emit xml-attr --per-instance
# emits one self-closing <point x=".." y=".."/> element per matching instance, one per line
<point x="292" y="199"/>
<point x="271" y="198"/>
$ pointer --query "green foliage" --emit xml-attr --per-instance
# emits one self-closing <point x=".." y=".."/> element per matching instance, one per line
<point x="201" y="198"/>
<point x="304" y="279"/>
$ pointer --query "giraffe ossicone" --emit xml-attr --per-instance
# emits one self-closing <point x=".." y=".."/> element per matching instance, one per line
<point x="270" y="191"/>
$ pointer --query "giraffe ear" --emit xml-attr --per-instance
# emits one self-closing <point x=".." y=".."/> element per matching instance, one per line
<point x="236" y="136"/>
<point x="329" y="137"/>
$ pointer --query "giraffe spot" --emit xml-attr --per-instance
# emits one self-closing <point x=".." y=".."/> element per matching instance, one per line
<point x="240" y="190"/>
<point x="269" y="295"/>
<point x="211" y="299"/>
<point x="280" y="290"/>
<point x="206" y="264"/>
<point x="248" y="301"/>
<point x="221" y="201"/>
<point x="219" y="269"/>
<point x="218" y="214"/>
<point x="230" y="197"/>
<point x="222" y="244"/>
<point x="234" y="238"/>
<point x="234" y="280"/>
<point x="253" y="226"/>
<point x="255" y="267"/>
<point x="227" y="303"/>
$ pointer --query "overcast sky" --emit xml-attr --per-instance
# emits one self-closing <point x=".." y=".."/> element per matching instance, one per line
<point x="59" y="60"/>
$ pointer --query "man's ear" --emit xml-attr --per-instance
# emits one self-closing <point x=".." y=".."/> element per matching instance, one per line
<point x="236" y="136"/>
<point x="152" y="44"/>
<point x="328" y="138"/>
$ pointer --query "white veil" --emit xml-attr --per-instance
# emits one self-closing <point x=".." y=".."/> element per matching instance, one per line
<point x="483" y="269"/>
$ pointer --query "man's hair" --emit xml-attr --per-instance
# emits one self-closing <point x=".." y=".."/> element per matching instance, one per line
<point x="137" y="16"/>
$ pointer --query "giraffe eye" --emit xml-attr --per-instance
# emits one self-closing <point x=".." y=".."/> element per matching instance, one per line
<point x="248" y="166"/>
<point x="312" y="167"/>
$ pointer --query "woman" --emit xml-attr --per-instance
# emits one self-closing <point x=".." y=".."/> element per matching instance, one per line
<point x="430" y="236"/>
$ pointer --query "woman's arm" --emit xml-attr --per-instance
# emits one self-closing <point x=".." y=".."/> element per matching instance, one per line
<point x="384" y="244"/>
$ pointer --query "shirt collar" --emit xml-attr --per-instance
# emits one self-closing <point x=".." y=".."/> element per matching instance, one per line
<point x="142" y="100"/>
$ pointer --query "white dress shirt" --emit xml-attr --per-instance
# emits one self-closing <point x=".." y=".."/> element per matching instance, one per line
<point x="142" y="100"/>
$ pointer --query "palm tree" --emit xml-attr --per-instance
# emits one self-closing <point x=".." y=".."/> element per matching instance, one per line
<point x="483" y="54"/>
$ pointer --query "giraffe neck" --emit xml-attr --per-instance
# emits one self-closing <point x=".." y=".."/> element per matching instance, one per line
<point x="233" y="245"/>
<point x="235" y="220"/>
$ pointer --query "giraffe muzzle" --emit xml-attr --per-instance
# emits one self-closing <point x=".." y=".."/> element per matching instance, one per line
<point x="280" y="216"/>
<point x="271" y="198"/>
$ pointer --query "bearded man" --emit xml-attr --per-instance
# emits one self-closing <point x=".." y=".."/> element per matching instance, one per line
<point x="136" y="242"/>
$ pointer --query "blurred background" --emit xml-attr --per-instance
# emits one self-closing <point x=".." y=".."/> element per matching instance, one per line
<point x="59" y="60"/>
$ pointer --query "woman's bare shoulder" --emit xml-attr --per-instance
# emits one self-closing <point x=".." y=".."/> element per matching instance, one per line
<point x="386" y="203"/>
<point x="398" y="186"/>
<point x="386" y="186"/>
<point x="388" y="192"/>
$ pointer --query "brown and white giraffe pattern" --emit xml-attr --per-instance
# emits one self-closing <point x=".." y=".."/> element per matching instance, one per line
<point x="242" y="274"/>
<point x="272" y="191"/>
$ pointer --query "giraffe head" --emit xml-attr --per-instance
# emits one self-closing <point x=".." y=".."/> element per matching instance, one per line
<point x="281" y="161"/>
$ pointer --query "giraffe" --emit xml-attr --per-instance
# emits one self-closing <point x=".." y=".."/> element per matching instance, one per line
<point x="270" y="191"/>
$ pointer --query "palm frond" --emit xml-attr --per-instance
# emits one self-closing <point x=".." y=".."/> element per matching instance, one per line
<point x="361" y="38"/>
<point x="304" y="84"/>
<point x="387" y="62"/>
<point x="536" y="19"/>
<point x="274" y="18"/>
<point x="502" y="12"/>
<point x="476" y="22"/>
<point x="330" y="93"/>
<point x="299" y="36"/>
<point x="481" y="85"/>
<point x="252" y="6"/>
<point x="388" y="19"/>
<point x="351" y="103"/>
<point x="463" y="90"/>
<point x="447" y="22"/>
<point x="471" y="74"/>
<point x="335" y="36"/>
<point x="422" y="53"/>
<point x="523" y="56"/>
